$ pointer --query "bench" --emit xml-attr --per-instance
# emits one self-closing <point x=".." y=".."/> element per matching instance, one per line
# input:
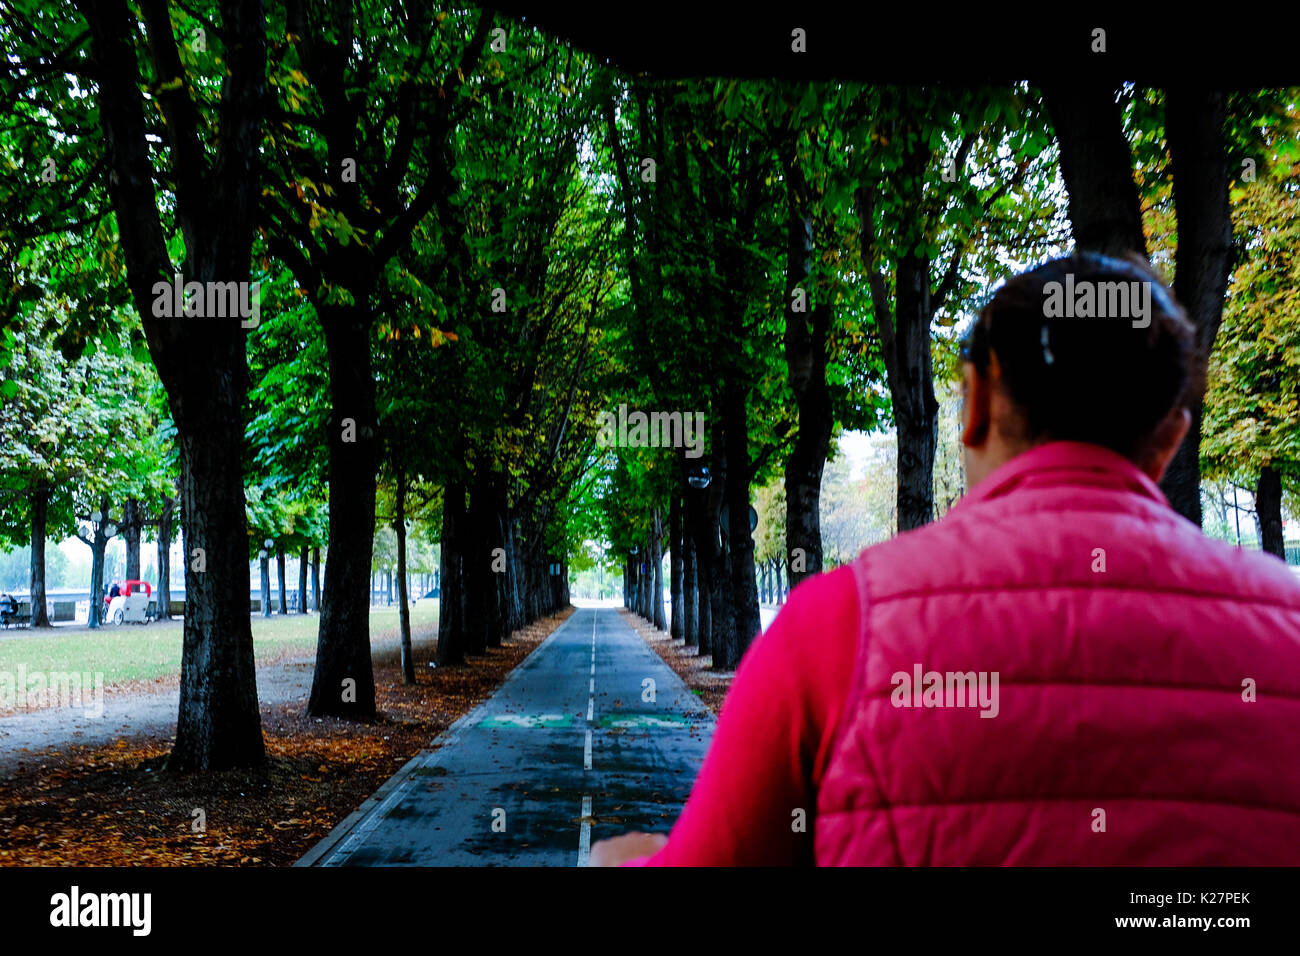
<point x="16" y="619"/>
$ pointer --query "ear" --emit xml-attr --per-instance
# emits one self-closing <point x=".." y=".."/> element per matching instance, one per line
<point x="1169" y="434"/>
<point x="975" y="408"/>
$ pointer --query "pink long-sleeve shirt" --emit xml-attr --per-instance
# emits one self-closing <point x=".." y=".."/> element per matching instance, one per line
<point x="754" y="799"/>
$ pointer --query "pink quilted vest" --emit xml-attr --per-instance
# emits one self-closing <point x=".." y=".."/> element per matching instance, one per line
<point x="1146" y="709"/>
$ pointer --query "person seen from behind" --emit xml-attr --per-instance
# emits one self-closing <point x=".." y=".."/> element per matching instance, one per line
<point x="1061" y="671"/>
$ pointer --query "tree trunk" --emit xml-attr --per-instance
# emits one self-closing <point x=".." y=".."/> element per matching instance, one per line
<point x="740" y="541"/>
<point x="647" y="582"/>
<point x="40" y="503"/>
<point x="279" y="573"/>
<point x="344" y="680"/>
<point x="677" y="626"/>
<point x="131" y="534"/>
<point x="1194" y="121"/>
<point x="515" y="617"/>
<point x="915" y="407"/>
<point x="805" y="359"/>
<point x="713" y="556"/>
<point x="1105" y="212"/>
<point x="629" y="574"/>
<point x="219" y="725"/>
<point x="264" y="564"/>
<point x="404" y="614"/>
<point x="302" y="580"/>
<point x="1268" y="509"/>
<point x="165" y="534"/>
<point x="657" y="556"/>
<point x="451" y="631"/>
<point x="905" y="339"/>
<point x="492" y="523"/>
<point x="97" y="546"/>
<point x="483" y="614"/>
<point x="315" y="579"/>
<point x="202" y="364"/>
<point x="690" y="590"/>
<point x="699" y="518"/>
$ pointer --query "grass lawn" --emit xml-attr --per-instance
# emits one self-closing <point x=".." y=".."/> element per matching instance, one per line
<point x="132" y="652"/>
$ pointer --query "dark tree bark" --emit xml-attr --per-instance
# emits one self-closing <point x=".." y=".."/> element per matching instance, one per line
<point x="131" y="525"/>
<point x="634" y="577"/>
<point x="915" y="407"/>
<point x="279" y="573"/>
<point x="638" y="585"/>
<point x="344" y="680"/>
<point x="264" y="564"/>
<point x="423" y="126"/>
<point x="657" y="556"/>
<point x="302" y="580"/>
<point x="490" y="520"/>
<point x="677" y="626"/>
<point x="740" y="541"/>
<point x="165" y="535"/>
<point x="1194" y="122"/>
<point x="905" y="339"/>
<point x="404" y="614"/>
<point x="713" y="556"/>
<point x="40" y="503"/>
<point x="478" y="577"/>
<point x="451" y="631"/>
<point x="1105" y="213"/>
<point x="1268" y="509"/>
<point x="516" y="617"/>
<point x="98" y="543"/>
<point x="647" y="582"/>
<point x="701" y="525"/>
<point x="633" y="587"/>
<point x="201" y="364"/>
<point x="690" y="592"/>
<point x="805" y="359"/>
<point x="315" y="579"/>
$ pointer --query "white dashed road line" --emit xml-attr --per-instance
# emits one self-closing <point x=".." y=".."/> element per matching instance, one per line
<point x="584" y="832"/>
<point x="584" y="837"/>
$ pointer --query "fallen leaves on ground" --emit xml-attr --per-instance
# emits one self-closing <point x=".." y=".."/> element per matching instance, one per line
<point x="695" y="669"/>
<point x="115" y="805"/>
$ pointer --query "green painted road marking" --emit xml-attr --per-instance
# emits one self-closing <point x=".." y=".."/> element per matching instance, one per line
<point x="673" y="721"/>
<point x="623" y="721"/>
<point x="528" y="720"/>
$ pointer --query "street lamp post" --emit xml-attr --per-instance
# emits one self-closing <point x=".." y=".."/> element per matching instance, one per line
<point x="96" y="533"/>
<point x="264" y="560"/>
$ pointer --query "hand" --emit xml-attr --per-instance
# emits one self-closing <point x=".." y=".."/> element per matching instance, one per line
<point x="618" y="850"/>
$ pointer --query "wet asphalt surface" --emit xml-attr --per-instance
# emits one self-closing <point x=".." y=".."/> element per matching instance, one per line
<point x="592" y="735"/>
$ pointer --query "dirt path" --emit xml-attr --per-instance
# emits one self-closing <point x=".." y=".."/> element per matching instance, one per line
<point x="132" y="714"/>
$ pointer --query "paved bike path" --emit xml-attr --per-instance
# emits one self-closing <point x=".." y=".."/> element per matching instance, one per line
<point x="575" y="746"/>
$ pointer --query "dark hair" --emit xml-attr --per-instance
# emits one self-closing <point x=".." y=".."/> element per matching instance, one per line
<point x="1105" y="379"/>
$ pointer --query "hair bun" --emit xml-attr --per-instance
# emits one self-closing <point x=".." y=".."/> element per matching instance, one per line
<point x="1091" y="348"/>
